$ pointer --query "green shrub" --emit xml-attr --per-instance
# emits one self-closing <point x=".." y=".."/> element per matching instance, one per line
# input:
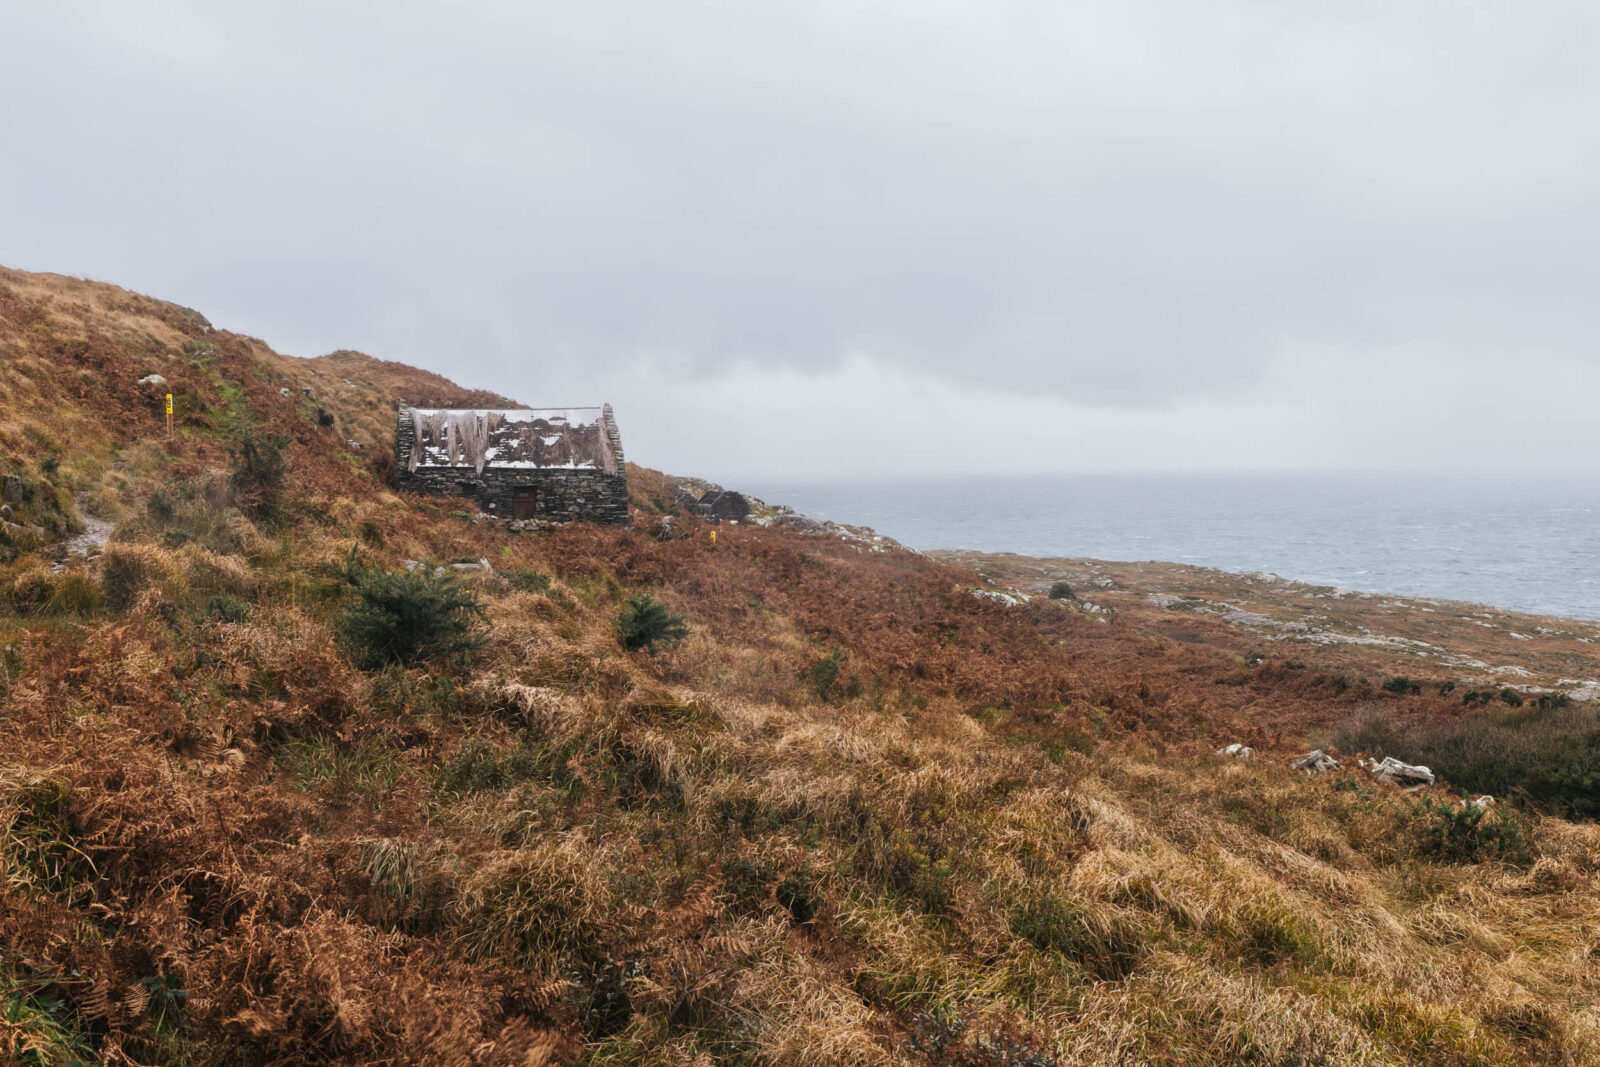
<point x="410" y="616"/>
<point x="824" y="677"/>
<point x="1402" y="686"/>
<point x="1463" y="833"/>
<point x="645" y="623"/>
<point x="259" y="464"/>
<point x="1062" y="591"/>
<point x="1475" y="698"/>
<point x="1511" y="697"/>
<point x="1552" y="701"/>
<point x="229" y="609"/>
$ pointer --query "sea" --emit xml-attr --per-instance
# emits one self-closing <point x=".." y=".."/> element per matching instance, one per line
<point x="1520" y="542"/>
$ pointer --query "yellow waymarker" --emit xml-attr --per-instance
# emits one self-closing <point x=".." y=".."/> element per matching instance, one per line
<point x="169" y="416"/>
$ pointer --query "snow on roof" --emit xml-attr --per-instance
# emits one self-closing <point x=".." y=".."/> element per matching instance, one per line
<point x="530" y="438"/>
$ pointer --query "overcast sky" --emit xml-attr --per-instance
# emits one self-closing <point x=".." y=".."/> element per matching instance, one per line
<point x="794" y="239"/>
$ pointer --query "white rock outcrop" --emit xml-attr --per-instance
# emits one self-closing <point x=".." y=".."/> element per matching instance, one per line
<point x="1237" y="751"/>
<point x="1390" y="769"/>
<point x="1316" y="761"/>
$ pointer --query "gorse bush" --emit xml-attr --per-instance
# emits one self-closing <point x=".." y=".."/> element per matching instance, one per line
<point x="645" y="623"/>
<point x="410" y="616"/>
<point x="1062" y="591"/>
<point x="259" y="465"/>
<point x="1463" y="833"/>
<point x="827" y="679"/>
<point x="1552" y="701"/>
<point x="1402" y="686"/>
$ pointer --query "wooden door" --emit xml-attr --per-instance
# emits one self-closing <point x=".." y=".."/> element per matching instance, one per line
<point x="524" y="502"/>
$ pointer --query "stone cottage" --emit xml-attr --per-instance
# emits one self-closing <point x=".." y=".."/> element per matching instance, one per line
<point x="557" y="464"/>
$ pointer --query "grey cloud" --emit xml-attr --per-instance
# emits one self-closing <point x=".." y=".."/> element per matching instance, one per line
<point x="1115" y="203"/>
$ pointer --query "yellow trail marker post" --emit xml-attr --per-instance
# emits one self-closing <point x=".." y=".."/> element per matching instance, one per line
<point x="169" y="416"/>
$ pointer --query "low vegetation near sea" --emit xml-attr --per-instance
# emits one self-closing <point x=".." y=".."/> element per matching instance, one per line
<point x="280" y="784"/>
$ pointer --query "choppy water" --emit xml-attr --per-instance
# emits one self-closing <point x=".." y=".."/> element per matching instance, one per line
<point x="1522" y="543"/>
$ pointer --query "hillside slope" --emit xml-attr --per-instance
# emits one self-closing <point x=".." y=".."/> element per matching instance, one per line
<point x="857" y="815"/>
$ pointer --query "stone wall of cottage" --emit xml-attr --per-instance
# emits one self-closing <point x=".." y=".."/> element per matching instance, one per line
<point x="561" y="495"/>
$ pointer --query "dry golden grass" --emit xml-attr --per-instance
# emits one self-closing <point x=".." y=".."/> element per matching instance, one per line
<point x="1000" y="836"/>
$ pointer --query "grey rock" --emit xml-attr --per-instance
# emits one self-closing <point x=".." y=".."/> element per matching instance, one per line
<point x="1316" y="761"/>
<point x="800" y="522"/>
<point x="1390" y="769"/>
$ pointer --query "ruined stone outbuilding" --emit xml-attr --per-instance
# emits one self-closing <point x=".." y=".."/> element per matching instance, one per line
<point x="549" y="464"/>
<point x="716" y="505"/>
